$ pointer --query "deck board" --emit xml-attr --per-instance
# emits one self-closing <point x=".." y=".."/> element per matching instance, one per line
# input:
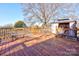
<point x="45" y="45"/>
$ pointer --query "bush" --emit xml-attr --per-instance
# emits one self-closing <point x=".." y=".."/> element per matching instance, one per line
<point x="19" y="24"/>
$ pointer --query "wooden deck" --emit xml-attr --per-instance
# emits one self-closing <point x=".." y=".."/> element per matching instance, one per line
<point x="43" y="45"/>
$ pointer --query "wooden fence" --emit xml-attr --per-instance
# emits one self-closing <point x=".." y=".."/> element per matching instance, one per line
<point x="10" y="34"/>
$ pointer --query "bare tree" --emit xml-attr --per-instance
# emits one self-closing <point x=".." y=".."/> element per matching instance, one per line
<point x="71" y="12"/>
<point x="43" y="11"/>
<point x="8" y="26"/>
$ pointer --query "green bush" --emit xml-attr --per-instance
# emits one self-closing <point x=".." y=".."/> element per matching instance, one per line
<point x="19" y="24"/>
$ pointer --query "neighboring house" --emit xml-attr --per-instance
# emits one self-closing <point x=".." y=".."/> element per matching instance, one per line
<point x="65" y="27"/>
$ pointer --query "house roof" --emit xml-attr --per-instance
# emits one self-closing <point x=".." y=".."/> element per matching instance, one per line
<point x="64" y="21"/>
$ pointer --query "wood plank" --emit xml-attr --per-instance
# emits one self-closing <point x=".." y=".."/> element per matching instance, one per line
<point x="45" y="46"/>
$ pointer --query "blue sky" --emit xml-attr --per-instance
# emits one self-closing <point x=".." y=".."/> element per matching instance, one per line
<point x="10" y="13"/>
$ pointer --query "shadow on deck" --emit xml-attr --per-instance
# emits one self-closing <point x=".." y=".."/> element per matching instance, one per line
<point x="44" y="45"/>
